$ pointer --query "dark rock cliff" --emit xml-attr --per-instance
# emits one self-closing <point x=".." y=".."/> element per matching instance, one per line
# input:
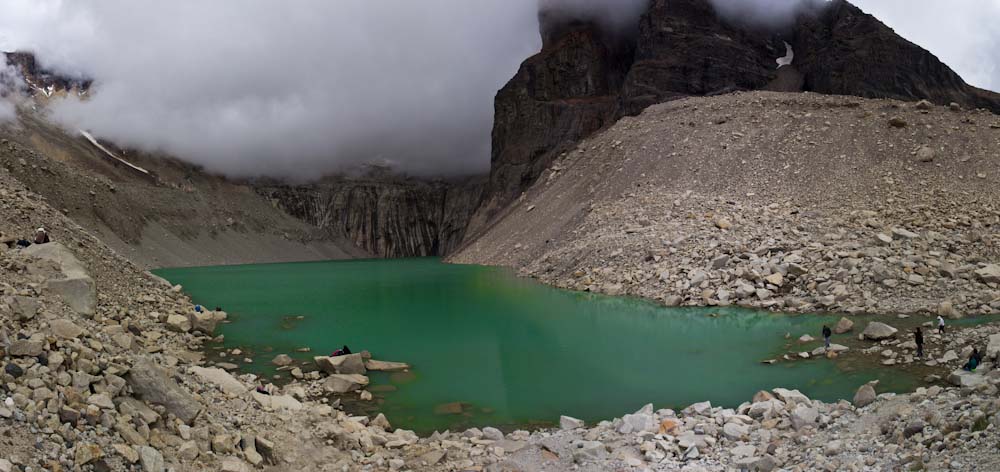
<point x="41" y="80"/>
<point x="388" y="217"/>
<point x="582" y="81"/>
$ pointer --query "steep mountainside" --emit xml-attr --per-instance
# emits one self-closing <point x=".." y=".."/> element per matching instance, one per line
<point x="582" y="81"/>
<point x="794" y="202"/>
<point x="387" y="217"/>
<point x="162" y="212"/>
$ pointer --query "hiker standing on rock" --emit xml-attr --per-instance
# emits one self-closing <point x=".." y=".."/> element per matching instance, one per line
<point x="940" y="325"/>
<point x="919" y="338"/>
<point x="826" y="335"/>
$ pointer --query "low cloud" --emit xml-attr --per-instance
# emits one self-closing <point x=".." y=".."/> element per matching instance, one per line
<point x="766" y="13"/>
<point x="10" y="83"/>
<point x="619" y="16"/>
<point x="263" y="87"/>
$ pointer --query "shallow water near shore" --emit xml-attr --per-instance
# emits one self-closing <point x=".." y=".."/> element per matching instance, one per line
<point x="510" y="351"/>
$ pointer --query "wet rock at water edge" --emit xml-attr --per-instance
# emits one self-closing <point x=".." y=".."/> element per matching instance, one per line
<point x="568" y="422"/>
<point x="865" y="395"/>
<point x="843" y="326"/>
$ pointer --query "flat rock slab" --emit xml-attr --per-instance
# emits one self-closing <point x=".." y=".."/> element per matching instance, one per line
<point x="154" y="384"/>
<point x="71" y="281"/>
<point x="277" y="402"/>
<point x="343" y="383"/>
<point x="963" y="378"/>
<point x="26" y="348"/>
<point x="221" y="379"/>
<point x="386" y="366"/>
<point x="65" y="329"/>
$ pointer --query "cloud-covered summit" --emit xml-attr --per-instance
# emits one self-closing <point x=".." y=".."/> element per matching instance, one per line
<point x="300" y="89"/>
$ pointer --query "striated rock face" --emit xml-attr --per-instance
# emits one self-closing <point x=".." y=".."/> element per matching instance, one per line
<point x="585" y="79"/>
<point x="386" y="217"/>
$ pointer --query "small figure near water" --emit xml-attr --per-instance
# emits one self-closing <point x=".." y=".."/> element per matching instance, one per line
<point x="826" y="335"/>
<point x="918" y="336"/>
<point x="974" y="360"/>
<point x="341" y="352"/>
<point x="261" y="389"/>
<point x="197" y="309"/>
<point x="41" y="236"/>
<point x="940" y="325"/>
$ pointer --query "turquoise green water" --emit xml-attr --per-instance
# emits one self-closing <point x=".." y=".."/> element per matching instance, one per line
<point x="512" y="351"/>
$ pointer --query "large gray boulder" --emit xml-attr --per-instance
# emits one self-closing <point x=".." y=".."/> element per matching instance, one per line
<point x="151" y="459"/>
<point x="568" y="423"/>
<point x="69" y="279"/>
<point x="343" y="383"/>
<point x="65" y="329"/>
<point x="792" y="397"/>
<point x="154" y="384"/>
<point x="962" y="378"/>
<point x="865" y="395"/>
<point x="989" y="274"/>
<point x="803" y="416"/>
<point x="206" y="322"/>
<point x="24" y="308"/>
<point x="993" y="346"/>
<point x="877" y="331"/>
<point x="349" y="364"/>
<point x="843" y="326"/>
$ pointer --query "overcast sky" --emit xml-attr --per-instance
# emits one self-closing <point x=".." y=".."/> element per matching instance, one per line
<point x="298" y="89"/>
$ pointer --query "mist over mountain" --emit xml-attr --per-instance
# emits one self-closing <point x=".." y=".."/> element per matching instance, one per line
<point x="9" y="83"/>
<point x="256" y="87"/>
<point x="263" y="88"/>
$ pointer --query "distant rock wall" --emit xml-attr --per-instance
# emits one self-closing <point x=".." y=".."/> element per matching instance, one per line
<point x="385" y="217"/>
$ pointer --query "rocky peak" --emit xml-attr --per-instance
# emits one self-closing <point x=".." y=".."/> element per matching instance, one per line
<point x="581" y="82"/>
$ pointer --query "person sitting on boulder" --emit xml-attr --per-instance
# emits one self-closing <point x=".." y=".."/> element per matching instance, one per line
<point x="261" y="389"/>
<point x="341" y="352"/>
<point x="826" y="335"/>
<point x="974" y="360"/>
<point x="41" y="236"/>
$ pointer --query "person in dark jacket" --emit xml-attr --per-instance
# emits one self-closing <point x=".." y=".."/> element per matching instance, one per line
<point x="974" y="360"/>
<point x="341" y="352"/>
<point x="826" y="335"/>
<point x="918" y="336"/>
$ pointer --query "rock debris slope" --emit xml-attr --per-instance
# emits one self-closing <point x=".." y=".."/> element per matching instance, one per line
<point x="794" y="202"/>
<point x="178" y="215"/>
